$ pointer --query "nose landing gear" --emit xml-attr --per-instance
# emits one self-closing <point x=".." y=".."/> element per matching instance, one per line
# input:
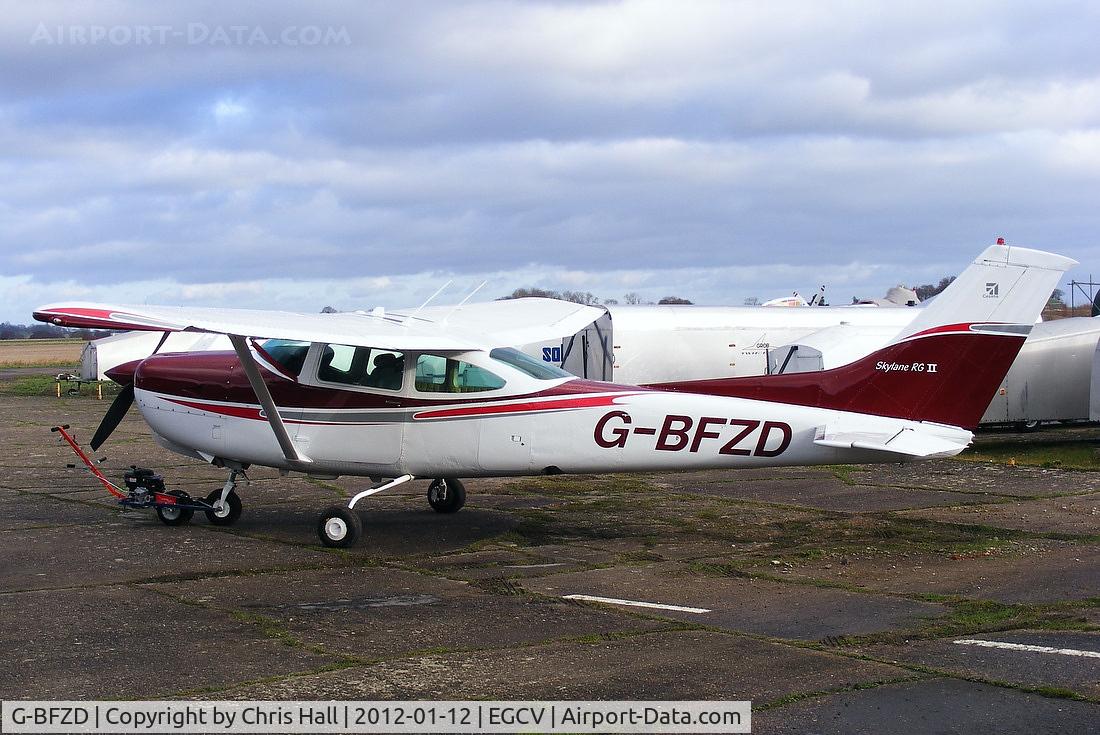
<point x="225" y="504"/>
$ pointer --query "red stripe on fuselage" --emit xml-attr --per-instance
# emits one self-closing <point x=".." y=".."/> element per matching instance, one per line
<point x="241" y="412"/>
<point x="961" y="328"/>
<point x="565" y="404"/>
<point x="562" y="404"/>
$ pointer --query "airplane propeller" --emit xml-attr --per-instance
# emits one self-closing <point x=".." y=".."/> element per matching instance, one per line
<point x="114" y="416"/>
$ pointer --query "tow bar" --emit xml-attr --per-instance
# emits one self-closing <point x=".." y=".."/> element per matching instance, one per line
<point x="144" y="489"/>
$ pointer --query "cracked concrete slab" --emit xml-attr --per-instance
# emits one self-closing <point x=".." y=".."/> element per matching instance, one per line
<point x="378" y="612"/>
<point x="834" y="495"/>
<point x="673" y="665"/>
<point x="754" y="606"/>
<point x="136" y="547"/>
<point x="979" y="478"/>
<point x="1077" y="515"/>
<point x="1020" y="571"/>
<point x="127" y="643"/>
<point x="1080" y="674"/>
<point x="934" y="705"/>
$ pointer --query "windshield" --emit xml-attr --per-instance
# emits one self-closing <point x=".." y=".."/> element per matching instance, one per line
<point x="289" y="354"/>
<point x="526" y="364"/>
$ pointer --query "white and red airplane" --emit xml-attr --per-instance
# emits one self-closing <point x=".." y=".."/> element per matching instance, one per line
<point x="403" y="397"/>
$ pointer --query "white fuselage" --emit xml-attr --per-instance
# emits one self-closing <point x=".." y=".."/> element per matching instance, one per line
<point x="615" y="431"/>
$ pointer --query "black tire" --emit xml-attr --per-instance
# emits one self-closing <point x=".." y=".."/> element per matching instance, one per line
<point x="172" y="516"/>
<point x="339" y="527"/>
<point x="224" y="517"/>
<point x="1027" y="426"/>
<point x="446" y="495"/>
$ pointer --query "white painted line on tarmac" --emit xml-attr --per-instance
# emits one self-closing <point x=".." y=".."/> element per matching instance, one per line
<point x="1028" y="647"/>
<point x="636" y="603"/>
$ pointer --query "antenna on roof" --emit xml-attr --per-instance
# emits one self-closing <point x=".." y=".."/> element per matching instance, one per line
<point x="460" y="303"/>
<point x="431" y="298"/>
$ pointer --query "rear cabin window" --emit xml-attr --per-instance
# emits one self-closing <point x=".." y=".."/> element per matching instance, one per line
<point x="289" y="355"/>
<point x="368" y="367"/>
<point x="436" y="374"/>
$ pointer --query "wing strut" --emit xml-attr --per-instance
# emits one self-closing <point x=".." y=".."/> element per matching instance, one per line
<point x="252" y="370"/>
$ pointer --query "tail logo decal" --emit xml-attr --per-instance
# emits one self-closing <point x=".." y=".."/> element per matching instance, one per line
<point x="906" y="367"/>
<point x="992" y="291"/>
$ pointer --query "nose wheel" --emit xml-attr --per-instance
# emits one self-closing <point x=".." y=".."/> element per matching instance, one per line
<point x="223" y="512"/>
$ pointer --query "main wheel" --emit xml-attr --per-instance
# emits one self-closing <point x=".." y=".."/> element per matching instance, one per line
<point x="339" y="527"/>
<point x="171" y="515"/>
<point x="224" y="514"/>
<point x="446" y="495"/>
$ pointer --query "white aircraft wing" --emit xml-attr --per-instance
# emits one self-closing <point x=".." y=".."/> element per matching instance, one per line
<point x="476" y="326"/>
<point x="909" y="442"/>
<point x="342" y="328"/>
<point x="515" y="321"/>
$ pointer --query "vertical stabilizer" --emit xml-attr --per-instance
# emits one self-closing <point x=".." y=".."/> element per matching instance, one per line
<point x="945" y="365"/>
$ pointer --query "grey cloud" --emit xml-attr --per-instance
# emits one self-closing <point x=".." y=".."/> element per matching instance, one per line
<point x="488" y="137"/>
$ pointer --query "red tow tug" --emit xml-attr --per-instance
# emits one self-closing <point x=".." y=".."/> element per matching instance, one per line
<point x="145" y="489"/>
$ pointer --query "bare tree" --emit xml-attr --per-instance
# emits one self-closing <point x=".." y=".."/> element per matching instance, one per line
<point x="525" y="293"/>
<point x="927" y="291"/>
<point x="580" y="297"/>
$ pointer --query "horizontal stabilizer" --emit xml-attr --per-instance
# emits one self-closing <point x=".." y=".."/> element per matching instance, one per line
<point x="909" y="442"/>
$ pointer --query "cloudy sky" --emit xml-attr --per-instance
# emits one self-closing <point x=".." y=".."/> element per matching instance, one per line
<point x="358" y="154"/>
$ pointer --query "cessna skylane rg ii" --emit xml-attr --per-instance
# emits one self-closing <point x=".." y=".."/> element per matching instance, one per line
<point x="446" y="395"/>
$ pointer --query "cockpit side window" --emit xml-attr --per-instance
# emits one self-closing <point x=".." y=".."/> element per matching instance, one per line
<point x="287" y="354"/>
<point x="368" y="367"/>
<point x="437" y="374"/>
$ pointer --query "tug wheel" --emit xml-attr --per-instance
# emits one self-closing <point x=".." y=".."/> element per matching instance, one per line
<point x="171" y="515"/>
<point x="339" y="527"/>
<point x="224" y="514"/>
<point x="446" y="495"/>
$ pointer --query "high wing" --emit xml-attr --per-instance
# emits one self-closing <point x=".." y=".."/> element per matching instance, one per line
<point x="442" y="329"/>
<point x="469" y="327"/>
<point x="514" y="322"/>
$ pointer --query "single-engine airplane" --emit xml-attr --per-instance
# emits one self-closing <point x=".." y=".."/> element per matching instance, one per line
<point x="401" y="397"/>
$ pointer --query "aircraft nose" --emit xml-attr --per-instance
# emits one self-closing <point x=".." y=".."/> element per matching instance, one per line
<point x="194" y="374"/>
<point x="123" y="374"/>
